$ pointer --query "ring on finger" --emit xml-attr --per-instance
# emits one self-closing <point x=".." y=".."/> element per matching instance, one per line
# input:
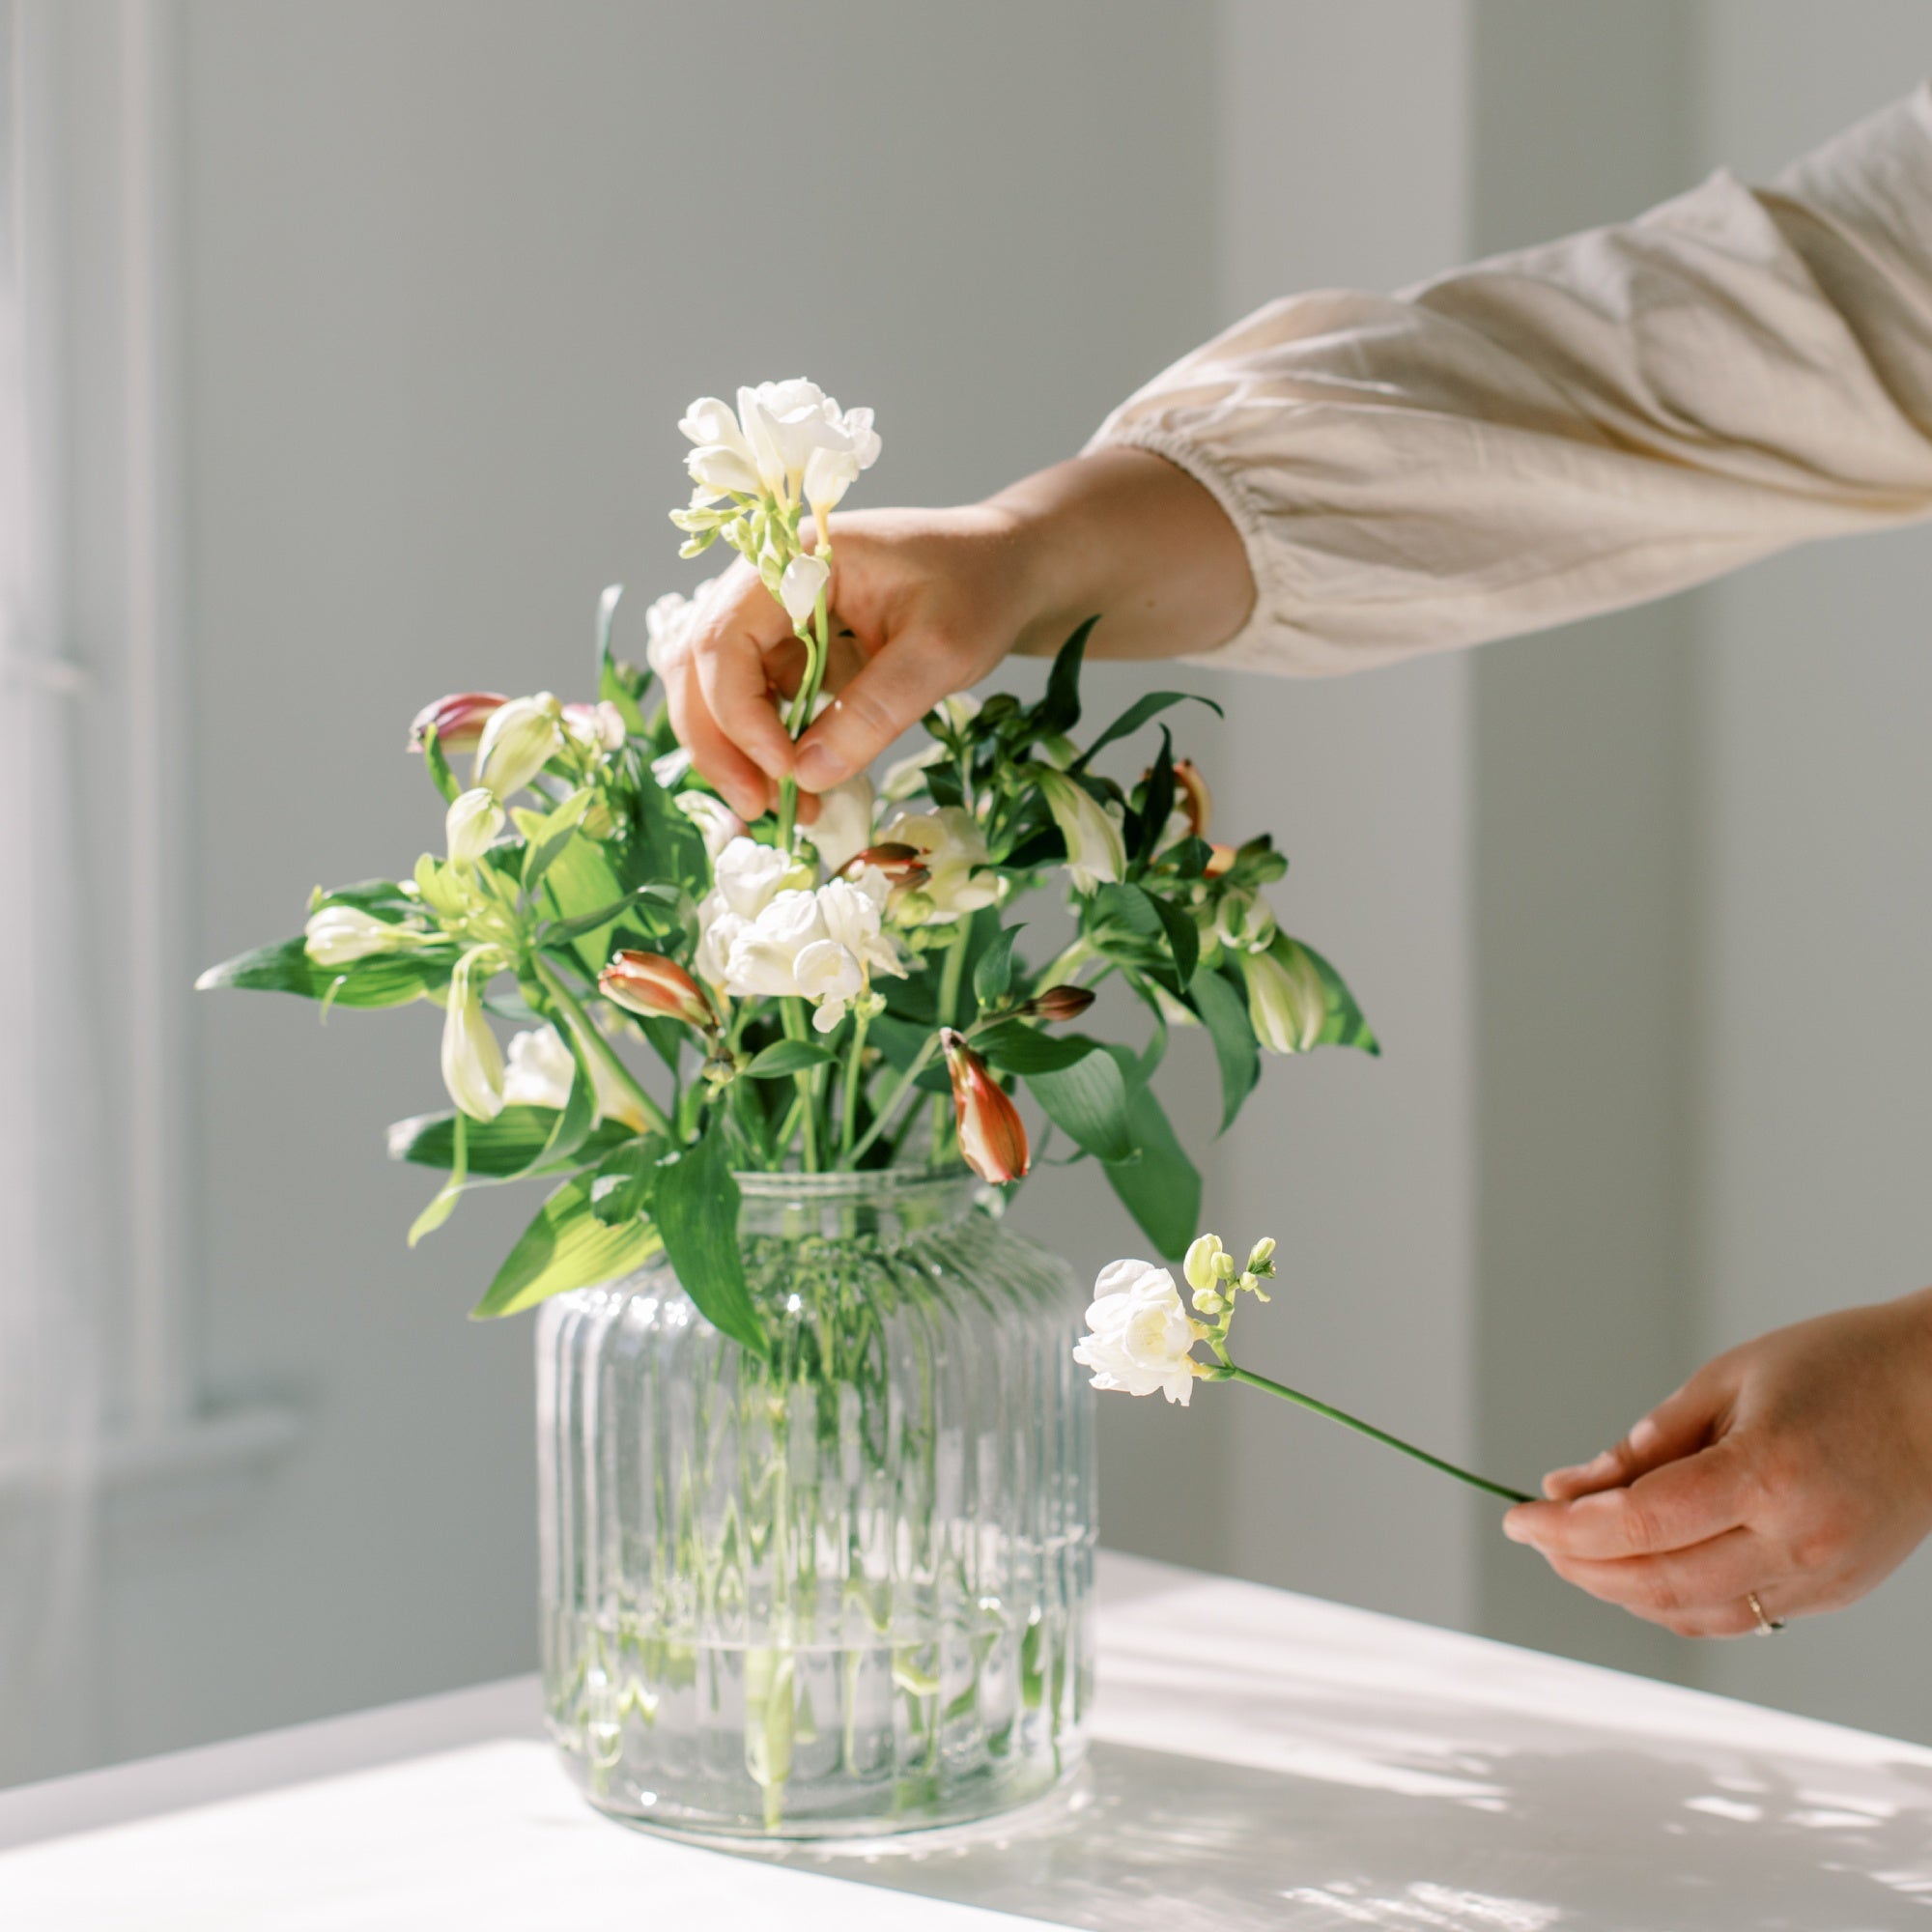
<point x="1766" y="1626"/>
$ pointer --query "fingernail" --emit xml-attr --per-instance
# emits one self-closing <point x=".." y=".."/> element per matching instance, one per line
<point x="1514" y="1527"/>
<point x="818" y="768"/>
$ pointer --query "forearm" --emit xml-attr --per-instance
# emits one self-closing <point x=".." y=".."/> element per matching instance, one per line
<point x="1130" y="538"/>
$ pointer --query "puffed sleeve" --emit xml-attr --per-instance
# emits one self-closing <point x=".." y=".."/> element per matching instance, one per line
<point x="1577" y="426"/>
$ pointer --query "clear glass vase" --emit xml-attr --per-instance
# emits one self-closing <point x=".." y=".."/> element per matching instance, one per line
<point x="842" y="1590"/>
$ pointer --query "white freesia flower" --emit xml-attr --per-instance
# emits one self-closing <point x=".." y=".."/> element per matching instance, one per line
<point x="844" y="827"/>
<point x="670" y="621"/>
<point x="540" y="1072"/>
<point x="722" y="464"/>
<point x="717" y="823"/>
<point x="745" y="878"/>
<point x="805" y="577"/>
<point x="1096" y="854"/>
<point x="822" y="946"/>
<point x="831" y="977"/>
<point x="764" y="955"/>
<point x="952" y="850"/>
<point x="828" y="474"/>
<point x="472" y="1063"/>
<point x="471" y="824"/>
<point x="520" y="738"/>
<point x="1141" y="1335"/>
<point x="339" y="935"/>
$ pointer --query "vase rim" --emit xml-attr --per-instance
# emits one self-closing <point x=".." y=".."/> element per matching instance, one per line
<point x="864" y="1184"/>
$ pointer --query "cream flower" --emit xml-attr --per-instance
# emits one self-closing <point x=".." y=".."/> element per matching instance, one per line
<point x="1287" y="1003"/>
<point x="472" y="1063"/>
<point x="952" y="850"/>
<point x="471" y="824"/>
<point x="805" y="577"/>
<point x="844" y="827"/>
<point x="339" y="935"/>
<point x="718" y="825"/>
<point x="1141" y="1335"/>
<point x="822" y="946"/>
<point x="1096" y="854"/>
<point x="540" y="1072"/>
<point x="520" y="738"/>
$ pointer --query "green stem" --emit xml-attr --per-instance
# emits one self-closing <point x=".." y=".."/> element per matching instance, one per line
<point x="816" y="649"/>
<point x="595" y="1043"/>
<point x="902" y="1088"/>
<point x="854" y="1071"/>
<point x="796" y="1028"/>
<point x="1368" y="1429"/>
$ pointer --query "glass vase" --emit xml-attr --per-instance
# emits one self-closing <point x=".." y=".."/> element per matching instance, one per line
<point x="840" y="1589"/>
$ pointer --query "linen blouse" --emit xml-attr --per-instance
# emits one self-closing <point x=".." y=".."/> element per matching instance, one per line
<point x="1572" y="427"/>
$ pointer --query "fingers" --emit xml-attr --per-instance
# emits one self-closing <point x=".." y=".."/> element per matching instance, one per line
<point x="1677" y="1427"/>
<point x="720" y="692"/>
<point x="1683" y="1503"/>
<point x="741" y="786"/>
<point x="1700" y="1591"/>
<point x="896" y="689"/>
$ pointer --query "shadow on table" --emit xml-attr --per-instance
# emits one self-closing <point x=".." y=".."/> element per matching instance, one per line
<point x="1619" y="1839"/>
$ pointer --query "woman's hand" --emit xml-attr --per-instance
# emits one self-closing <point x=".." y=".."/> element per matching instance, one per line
<point x="928" y="602"/>
<point x="1797" y="1466"/>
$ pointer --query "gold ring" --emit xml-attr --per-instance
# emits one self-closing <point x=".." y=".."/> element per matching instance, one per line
<point x="1766" y="1626"/>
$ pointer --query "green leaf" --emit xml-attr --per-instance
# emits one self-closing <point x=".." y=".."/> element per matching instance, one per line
<point x="1014" y="1047"/>
<point x="1144" y="828"/>
<point x="626" y="1179"/>
<point x="444" y="1206"/>
<point x="1183" y="938"/>
<point x="1161" y="1189"/>
<point x="1345" y="1025"/>
<point x="1060" y="709"/>
<point x="580" y="881"/>
<point x="549" y="833"/>
<point x="1138" y="714"/>
<point x="788" y="1056"/>
<point x="580" y="1109"/>
<point x="437" y="766"/>
<point x="620" y="684"/>
<point x="993" y="976"/>
<point x="565" y="1247"/>
<point x="658" y="904"/>
<point x="1122" y="922"/>
<point x="383" y="979"/>
<point x="1088" y="1101"/>
<point x="1225" y="1014"/>
<point x="696" y="1205"/>
<point x="499" y="1149"/>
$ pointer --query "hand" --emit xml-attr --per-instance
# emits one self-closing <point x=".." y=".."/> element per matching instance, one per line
<point x="1797" y="1466"/>
<point x="928" y="602"/>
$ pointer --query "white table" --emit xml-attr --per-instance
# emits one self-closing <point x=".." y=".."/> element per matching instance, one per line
<point x="1261" y="1759"/>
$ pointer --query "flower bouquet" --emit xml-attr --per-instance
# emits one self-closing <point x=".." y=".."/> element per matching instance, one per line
<point x="817" y="1468"/>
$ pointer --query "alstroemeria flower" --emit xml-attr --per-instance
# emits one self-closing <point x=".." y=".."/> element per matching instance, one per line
<point x="1141" y="1337"/>
<point x="718" y="825"/>
<point x="540" y="1072"/>
<point x="952" y="850"/>
<point x="992" y="1137"/>
<point x="1287" y="1003"/>
<point x="339" y="935"/>
<point x="1097" y="853"/>
<point x="471" y="824"/>
<point x="649" y="983"/>
<point x="598" y="726"/>
<point x="472" y="1063"/>
<point x="459" y="719"/>
<point x="1243" y="922"/>
<point x="522" y="737"/>
<point x="1192" y="796"/>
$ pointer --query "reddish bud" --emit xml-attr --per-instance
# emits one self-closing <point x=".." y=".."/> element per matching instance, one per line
<point x="991" y="1136"/>
<point x="1193" y="797"/>
<point x="900" y="865"/>
<point x="459" y="719"/>
<point x="1220" y="861"/>
<point x="649" y="983"/>
<point x="1058" y="1002"/>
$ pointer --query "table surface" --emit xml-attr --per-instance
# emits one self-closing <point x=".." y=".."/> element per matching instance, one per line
<point x="1260" y="1759"/>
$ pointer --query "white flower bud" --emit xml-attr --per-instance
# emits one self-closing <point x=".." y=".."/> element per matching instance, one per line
<point x="520" y="738"/>
<point x="805" y="577"/>
<point x="1201" y="1265"/>
<point x="1287" y="1002"/>
<point x="1096" y="854"/>
<point x="339" y="935"/>
<point x="471" y="824"/>
<point x="472" y="1063"/>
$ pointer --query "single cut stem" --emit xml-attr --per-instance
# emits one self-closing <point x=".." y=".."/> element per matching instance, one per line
<point x="595" y="1043"/>
<point x="891" y="1105"/>
<point x="855" y="1074"/>
<point x="796" y="1028"/>
<point x="1368" y="1429"/>
<point x="949" y="977"/>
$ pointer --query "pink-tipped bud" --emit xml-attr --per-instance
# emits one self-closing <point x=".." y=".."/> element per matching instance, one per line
<point x="595" y="724"/>
<point x="897" y="865"/>
<point x="459" y="719"/>
<point x="1191" y="794"/>
<point x="1058" y="1002"/>
<point x="992" y="1138"/>
<point x="1220" y="861"/>
<point x="649" y="983"/>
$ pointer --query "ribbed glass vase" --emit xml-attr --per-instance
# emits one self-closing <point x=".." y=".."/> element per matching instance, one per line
<point x="842" y="1589"/>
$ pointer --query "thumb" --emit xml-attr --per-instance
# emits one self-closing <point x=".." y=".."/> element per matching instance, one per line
<point x="1679" y="1425"/>
<point x="895" y="691"/>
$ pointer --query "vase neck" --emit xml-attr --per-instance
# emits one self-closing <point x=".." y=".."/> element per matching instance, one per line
<point x="886" y="1202"/>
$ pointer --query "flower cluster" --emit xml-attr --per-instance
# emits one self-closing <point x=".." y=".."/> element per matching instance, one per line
<point x="641" y="994"/>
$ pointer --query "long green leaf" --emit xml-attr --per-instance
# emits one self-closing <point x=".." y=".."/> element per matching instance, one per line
<point x="696" y="1205"/>
<point x="1161" y="1189"/>
<point x="499" y="1149"/>
<point x="444" y="1206"/>
<point x="626" y="1179"/>
<point x="565" y="1247"/>
<point x="1138" y="714"/>
<point x="1058" y="710"/>
<point x="1225" y="1014"/>
<point x="383" y="979"/>
<point x="1088" y="1101"/>
<point x="1014" y="1047"/>
<point x="788" y="1056"/>
<point x="993" y="974"/>
<point x="1183" y="938"/>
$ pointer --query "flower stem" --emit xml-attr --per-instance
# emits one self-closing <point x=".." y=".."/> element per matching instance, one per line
<point x="595" y="1043"/>
<point x="793" y="1014"/>
<point x="815" y="650"/>
<point x="1362" y="1427"/>
<point x="855" y="1070"/>
<point x="883" y="1118"/>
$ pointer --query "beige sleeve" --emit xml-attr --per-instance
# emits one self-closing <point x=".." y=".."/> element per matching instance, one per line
<point x="1588" y="424"/>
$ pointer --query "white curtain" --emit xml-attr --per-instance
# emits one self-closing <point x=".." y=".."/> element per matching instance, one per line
<point x="57" y="1188"/>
